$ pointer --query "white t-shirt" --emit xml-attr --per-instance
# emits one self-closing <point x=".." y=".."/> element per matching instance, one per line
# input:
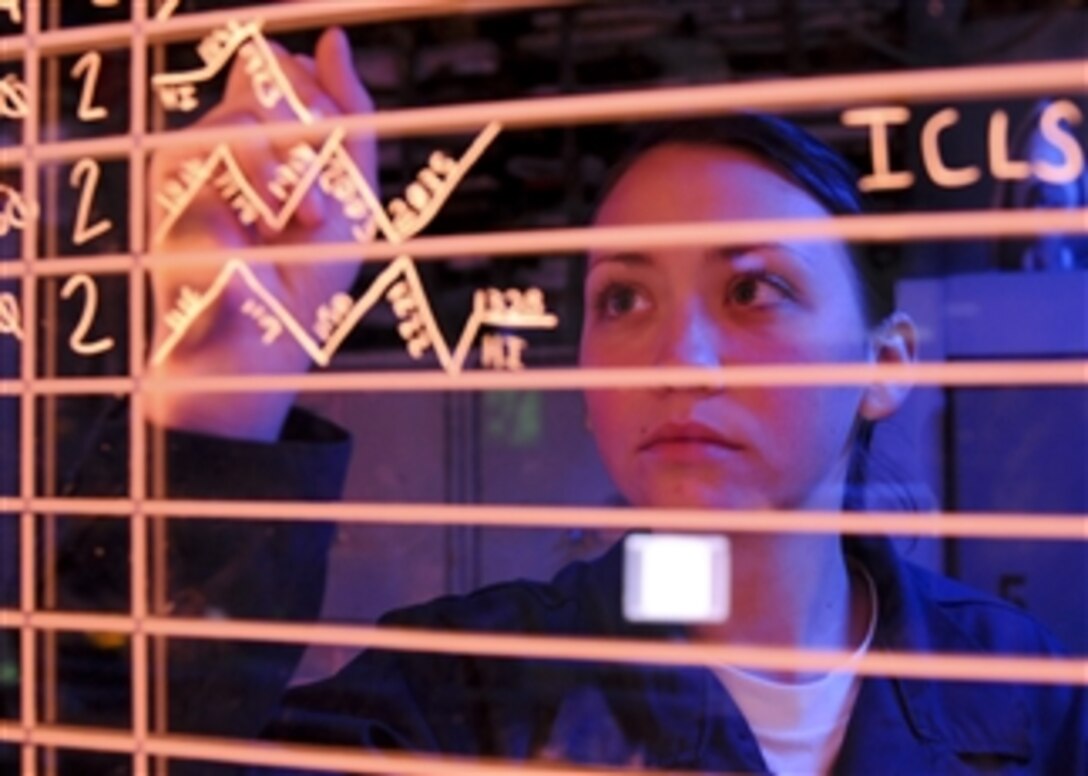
<point x="800" y="725"/>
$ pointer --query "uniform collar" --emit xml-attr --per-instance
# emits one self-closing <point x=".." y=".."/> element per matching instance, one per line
<point x="968" y="718"/>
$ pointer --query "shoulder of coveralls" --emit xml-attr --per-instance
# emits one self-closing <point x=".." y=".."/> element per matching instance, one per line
<point x="927" y="613"/>
<point x="582" y="597"/>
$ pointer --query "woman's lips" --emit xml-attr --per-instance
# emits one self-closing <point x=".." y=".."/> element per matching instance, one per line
<point x="687" y="441"/>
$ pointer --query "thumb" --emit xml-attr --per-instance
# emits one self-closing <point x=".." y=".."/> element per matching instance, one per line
<point x="336" y="73"/>
<point x="335" y="69"/>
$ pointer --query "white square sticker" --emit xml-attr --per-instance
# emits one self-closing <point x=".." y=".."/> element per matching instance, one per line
<point x="677" y="578"/>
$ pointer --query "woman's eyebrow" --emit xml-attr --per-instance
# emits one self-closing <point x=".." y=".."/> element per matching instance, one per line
<point x="732" y="253"/>
<point x="627" y="258"/>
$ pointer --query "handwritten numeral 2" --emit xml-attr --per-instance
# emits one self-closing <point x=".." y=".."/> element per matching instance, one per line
<point x="90" y="63"/>
<point x="14" y="10"/>
<point x="85" y="177"/>
<point x="78" y="341"/>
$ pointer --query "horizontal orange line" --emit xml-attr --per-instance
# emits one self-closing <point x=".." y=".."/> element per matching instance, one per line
<point x="938" y="666"/>
<point x="1047" y="527"/>
<point x="974" y="373"/>
<point x="309" y="757"/>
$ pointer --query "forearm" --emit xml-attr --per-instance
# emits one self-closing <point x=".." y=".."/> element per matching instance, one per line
<point x="219" y="567"/>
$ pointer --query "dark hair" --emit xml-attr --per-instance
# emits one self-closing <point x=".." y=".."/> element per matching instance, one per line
<point x="830" y="179"/>
<point x="797" y="156"/>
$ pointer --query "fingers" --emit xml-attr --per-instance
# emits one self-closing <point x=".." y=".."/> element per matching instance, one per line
<point x="215" y="209"/>
<point x="307" y="64"/>
<point x="289" y="95"/>
<point x="239" y="84"/>
<point x="335" y="72"/>
<point x="325" y="85"/>
<point x="300" y="72"/>
<point x="335" y="68"/>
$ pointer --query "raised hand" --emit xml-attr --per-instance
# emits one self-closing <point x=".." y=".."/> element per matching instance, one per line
<point x="224" y="339"/>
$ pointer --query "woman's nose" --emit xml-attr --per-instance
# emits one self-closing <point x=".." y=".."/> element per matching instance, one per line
<point x="690" y="338"/>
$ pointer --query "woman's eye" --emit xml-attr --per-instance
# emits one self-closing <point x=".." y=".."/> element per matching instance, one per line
<point x="756" y="291"/>
<point x="617" y="300"/>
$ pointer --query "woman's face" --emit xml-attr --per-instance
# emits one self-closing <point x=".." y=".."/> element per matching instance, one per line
<point x="780" y="302"/>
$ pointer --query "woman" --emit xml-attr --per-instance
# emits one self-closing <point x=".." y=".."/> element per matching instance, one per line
<point x="724" y="448"/>
<point x="780" y="301"/>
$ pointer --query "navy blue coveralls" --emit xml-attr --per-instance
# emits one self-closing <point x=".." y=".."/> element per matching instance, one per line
<point x="657" y="717"/>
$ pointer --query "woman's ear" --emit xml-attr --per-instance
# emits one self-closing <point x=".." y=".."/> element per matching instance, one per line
<point x="895" y="342"/>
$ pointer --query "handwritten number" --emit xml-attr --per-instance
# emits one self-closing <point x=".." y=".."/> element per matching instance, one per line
<point x="10" y="315"/>
<point x="13" y="97"/>
<point x="15" y="212"/>
<point x="78" y="341"/>
<point x="85" y="176"/>
<point x="166" y="10"/>
<point x="14" y="10"/>
<point x="89" y="64"/>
